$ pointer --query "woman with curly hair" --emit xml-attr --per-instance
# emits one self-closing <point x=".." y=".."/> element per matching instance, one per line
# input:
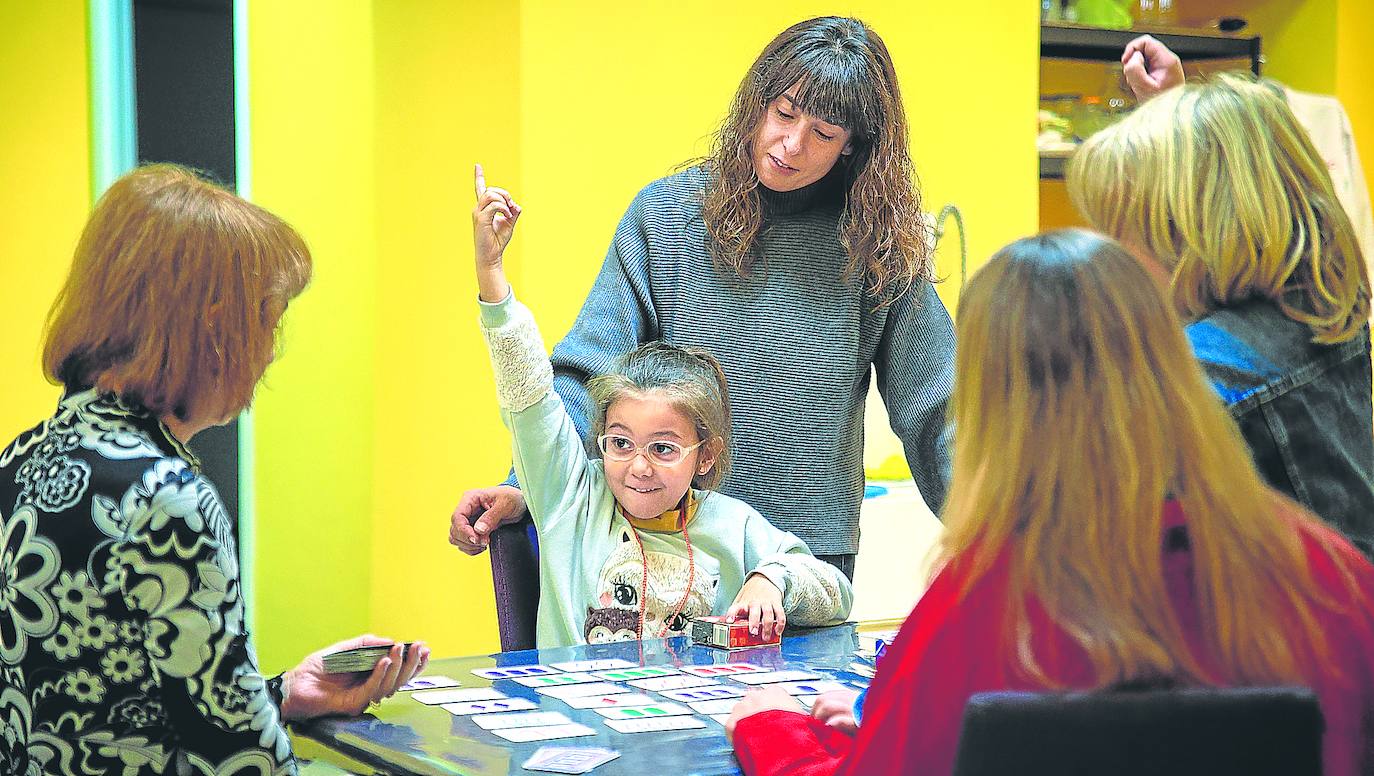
<point x="796" y="254"/>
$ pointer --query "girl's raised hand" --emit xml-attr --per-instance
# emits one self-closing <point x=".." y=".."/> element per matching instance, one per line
<point x="493" y="224"/>
<point x="760" y="602"/>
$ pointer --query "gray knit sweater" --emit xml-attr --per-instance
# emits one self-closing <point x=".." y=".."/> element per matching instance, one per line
<point x="796" y="339"/>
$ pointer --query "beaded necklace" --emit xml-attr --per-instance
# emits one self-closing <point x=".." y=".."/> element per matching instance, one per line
<point x="644" y="566"/>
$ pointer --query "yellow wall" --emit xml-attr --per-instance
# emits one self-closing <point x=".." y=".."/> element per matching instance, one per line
<point x="1355" y="75"/>
<point x="574" y="107"/>
<point x="45" y="167"/>
<point x="312" y="136"/>
<point x="448" y="77"/>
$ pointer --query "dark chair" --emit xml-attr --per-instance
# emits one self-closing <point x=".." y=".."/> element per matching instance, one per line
<point x="1253" y="731"/>
<point x="514" y="551"/>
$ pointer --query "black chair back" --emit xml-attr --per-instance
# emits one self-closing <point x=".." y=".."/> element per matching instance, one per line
<point x="1254" y="731"/>
<point x="515" y="577"/>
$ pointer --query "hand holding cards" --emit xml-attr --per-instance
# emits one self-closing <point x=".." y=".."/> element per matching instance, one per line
<point x="359" y="659"/>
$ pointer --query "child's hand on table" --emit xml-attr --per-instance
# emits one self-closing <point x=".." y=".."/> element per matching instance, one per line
<point x="760" y="601"/>
<point x="757" y="701"/>
<point x="836" y="709"/>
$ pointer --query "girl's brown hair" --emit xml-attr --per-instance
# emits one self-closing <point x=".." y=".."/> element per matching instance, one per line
<point x="1080" y="411"/>
<point x="691" y="379"/>
<point x="844" y="75"/>
<point x="174" y="295"/>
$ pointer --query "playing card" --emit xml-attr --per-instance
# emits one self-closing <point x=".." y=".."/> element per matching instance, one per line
<point x="490" y="707"/>
<point x="580" y="690"/>
<point x="554" y="680"/>
<point x="655" y="725"/>
<point x="810" y="688"/>
<point x="644" y="712"/>
<point x="723" y="669"/>
<point x="661" y="683"/>
<point x="606" y="664"/>
<point x="772" y="677"/>
<point x="358" y="659"/>
<point x="513" y="672"/>
<point x="569" y="759"/>
<point x="705" y="693"/>
<point x="714" y="707"/>
<point x="520" y="719"/>
<point x="544" y="732"/>
<point x="437" y="697"/>
<point x="626" y="674"/>
<point x="428" y="683"/>
<point x="721" y="718"/>
<point x="608" y="701"/>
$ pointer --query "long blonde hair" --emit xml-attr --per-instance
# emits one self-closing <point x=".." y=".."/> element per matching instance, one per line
<point x="846" y="76"/>
<point x="1220" y="182"/>
<point x="1080" y="411"/>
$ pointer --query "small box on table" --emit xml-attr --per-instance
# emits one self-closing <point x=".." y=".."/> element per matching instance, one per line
<point x="716" y="632"/>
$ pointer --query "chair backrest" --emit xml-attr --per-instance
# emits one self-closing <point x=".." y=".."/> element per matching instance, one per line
<point x="514" y="554"/>
<point x="1253" y="731"/>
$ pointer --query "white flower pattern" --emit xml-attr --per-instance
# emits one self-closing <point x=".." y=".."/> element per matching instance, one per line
<point x="119" y="594"/>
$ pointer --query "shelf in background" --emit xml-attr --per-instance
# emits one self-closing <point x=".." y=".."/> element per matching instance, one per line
<point x="1071" y="41"/>
<point x="1052" y="166"/>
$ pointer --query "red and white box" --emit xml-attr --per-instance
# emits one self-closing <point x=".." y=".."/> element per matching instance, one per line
<point x="714" y="631"/>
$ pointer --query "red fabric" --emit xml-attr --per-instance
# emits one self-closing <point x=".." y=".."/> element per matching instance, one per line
<point x="946" y="653"/>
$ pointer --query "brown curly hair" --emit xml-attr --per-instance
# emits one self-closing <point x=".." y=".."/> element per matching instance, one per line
<point x="844" y="74"/>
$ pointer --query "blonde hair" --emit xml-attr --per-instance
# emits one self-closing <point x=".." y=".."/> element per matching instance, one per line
<point x="691" y="379"/>
<point x="846" y="77"/>
<point x="174" y="295"/>
<point x="1220" y="182"/>
<point x="1080" y="412"/>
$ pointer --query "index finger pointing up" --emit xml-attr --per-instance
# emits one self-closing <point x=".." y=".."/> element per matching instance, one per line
<point x="480" y="179"/>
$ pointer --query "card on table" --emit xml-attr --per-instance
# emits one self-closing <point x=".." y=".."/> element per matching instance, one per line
<point x="704" y="693"/>
<point x="581" y="690"/>
<point x="609" y="701"/>
<point x="513" y="672"/>
<point x="721" y="718"/>
<point x="515" y="719"/>
<point x="655" y="725"/>
<point x="436" y="697"/>
<point x="490" y="707"/>
<point x="428" y="683"/>
<point x="644" y="712"/>
<point x="772" y="677"/>
<point x="714" y="707"/>
<point x="661" y="683"/>
<point x="605" y="664"/>
<point x="544" y="733"/>
<point x="554" y="680"/>
<point x="863" y="669"/>
<point x="723" y="669"/>
<point x="811" y="688"/>
<point x="642" y="672"/>
<point x="569" y="759"/>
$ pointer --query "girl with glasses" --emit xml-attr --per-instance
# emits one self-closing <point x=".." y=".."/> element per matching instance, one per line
<point x="634" y="545"/>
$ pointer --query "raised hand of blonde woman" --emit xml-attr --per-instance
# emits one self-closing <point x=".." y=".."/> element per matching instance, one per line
<point x="836" y="709"/>
<point x="760" y="601"/>
<point x="1150" y="67"/>
<point x="311" y="692"/>
<point x="493" y="225"/>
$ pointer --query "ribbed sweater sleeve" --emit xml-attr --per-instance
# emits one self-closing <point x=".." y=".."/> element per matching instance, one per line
<point x="915" y="370"/>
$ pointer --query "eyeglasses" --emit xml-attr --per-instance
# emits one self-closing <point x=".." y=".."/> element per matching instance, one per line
<point x="659" y="452"/>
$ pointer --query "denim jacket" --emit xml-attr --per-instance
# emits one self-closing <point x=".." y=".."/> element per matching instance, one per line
<point x="1304" y="409"/>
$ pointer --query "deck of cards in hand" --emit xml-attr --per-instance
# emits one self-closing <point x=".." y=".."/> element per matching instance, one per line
<point x="358" y="659"/>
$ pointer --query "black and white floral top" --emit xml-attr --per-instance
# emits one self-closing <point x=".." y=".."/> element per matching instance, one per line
<point x="122" y="640"/>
